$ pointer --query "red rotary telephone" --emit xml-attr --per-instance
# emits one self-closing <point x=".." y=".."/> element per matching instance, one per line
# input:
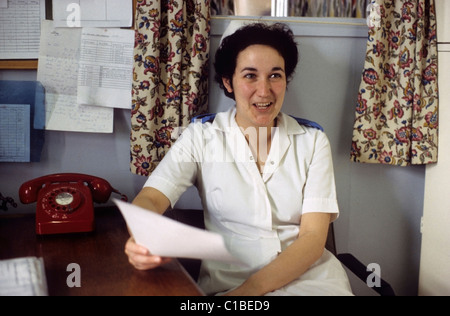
<point x="65" y="201"/>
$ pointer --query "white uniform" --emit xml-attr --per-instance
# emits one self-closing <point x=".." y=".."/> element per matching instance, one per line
<point x="257" y="214"/>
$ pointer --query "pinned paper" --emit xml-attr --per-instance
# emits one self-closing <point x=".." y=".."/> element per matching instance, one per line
<point x="105" y="72"/>
<point x="24" y="98"/>
<point x="58" y="72"/>
<point x="20" y="24"/>
<point x="92" y="13"/>
<point x="14" y="132"/>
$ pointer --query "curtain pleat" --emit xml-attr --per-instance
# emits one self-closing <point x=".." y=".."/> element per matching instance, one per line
<point x="170" y="82"/>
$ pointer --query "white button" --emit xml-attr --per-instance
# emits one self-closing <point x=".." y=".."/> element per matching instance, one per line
<point x="251" y="158"/>
<point x="272" y="162"/>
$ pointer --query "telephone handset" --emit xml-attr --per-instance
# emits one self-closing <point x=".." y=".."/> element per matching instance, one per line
<point x="65" y="201"/>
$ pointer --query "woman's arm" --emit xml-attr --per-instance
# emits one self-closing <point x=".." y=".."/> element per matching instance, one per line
<point x="139" y="256"/>
<point x="152" y="199"/>
<point x="293" y="261"/>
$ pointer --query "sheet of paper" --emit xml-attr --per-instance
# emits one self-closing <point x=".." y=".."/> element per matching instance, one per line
<point x="20" y="24"/>
<point x="106" y="67"/>
<point x="32" y="93"/>
<point x="168" y="238"/>
<point x="58" y="72"/>
<point x="14" y="132"/>
<point x="39" y="106"/>
<point x="23" y="277"/>
<point x="93" y="13"/>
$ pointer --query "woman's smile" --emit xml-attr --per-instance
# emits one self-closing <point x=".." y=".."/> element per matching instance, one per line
<point x="262" y="106"/>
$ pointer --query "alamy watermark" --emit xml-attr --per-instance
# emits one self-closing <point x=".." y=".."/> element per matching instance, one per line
<point x="74" y="278"/>
<point x="74" y="17"/>
<point x="208" y="145"/>
<point x="374" y="278"/>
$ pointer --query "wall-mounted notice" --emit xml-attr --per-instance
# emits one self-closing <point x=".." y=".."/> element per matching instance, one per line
<point x="58" y="73"/>
<point x="92" y="13"/>
<point x="14" y="132"/>
<point x="105" y="70"/>
<point x="20" y="28"/>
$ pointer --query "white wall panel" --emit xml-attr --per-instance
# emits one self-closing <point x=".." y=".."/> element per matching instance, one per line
<point x="434" y="272"/>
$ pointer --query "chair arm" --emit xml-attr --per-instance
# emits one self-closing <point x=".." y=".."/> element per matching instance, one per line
<point x="360" y="270"/>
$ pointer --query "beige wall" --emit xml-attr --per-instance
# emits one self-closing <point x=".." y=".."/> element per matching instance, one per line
<point x="434" y="275"/>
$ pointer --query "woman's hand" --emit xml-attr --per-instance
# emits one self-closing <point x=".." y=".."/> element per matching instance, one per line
<point x="141" y="258"/>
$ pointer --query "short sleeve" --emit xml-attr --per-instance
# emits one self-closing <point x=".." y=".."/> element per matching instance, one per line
<point x="178" y="170"/>
<point x="320" y="190"/>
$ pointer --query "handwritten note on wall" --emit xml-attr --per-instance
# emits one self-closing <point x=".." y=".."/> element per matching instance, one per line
<point x="58" y="72"/>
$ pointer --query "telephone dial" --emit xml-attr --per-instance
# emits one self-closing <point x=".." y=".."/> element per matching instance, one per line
<point x="65" y="201"/>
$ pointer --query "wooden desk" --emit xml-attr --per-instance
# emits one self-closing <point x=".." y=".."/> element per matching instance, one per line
<point x="105" y="269"/>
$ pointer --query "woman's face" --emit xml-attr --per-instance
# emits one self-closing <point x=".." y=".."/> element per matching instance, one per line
<point x="259" y="86"/>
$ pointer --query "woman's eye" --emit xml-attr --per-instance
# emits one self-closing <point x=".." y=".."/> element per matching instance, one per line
<point x="275" y="76"/>
<point x="250" y="76"/>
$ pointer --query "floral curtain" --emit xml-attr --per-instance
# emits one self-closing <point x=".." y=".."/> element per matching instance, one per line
<point x="396" y="120"/>
<point x="170" y="83"/>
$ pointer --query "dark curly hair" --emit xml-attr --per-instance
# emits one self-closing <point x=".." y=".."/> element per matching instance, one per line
<point x="278" y="36"/>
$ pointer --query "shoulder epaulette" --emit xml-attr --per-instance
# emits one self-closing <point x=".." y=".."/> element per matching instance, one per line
<point x="307" y="123"/>
<point x="204" y="118"/>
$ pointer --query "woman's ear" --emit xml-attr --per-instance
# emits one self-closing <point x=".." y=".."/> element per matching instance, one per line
<point x="227" y="84"/>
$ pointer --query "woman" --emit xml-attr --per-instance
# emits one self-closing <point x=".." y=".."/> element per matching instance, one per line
<point x="266" y="181"/>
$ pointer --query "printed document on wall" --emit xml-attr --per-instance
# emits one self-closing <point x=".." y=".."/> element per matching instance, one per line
<point x="20" y="24"/>
<point x="92" y="13"/>
<point x="58" y="72"/>
<point x="15" y="132"/>
<point x="106" y="67"/>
